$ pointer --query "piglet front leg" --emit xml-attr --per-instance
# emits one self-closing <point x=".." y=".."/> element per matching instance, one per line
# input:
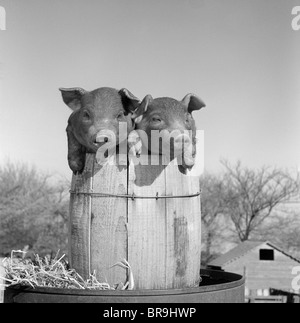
<point x="134" y="143"/>
<point x="76" y="153"/>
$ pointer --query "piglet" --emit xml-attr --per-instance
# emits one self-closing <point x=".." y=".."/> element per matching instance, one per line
<point x="96" y="120"/>
<point x="175" y="128"/>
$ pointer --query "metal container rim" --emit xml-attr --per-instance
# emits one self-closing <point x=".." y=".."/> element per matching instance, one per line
<point x="234" y="281"/>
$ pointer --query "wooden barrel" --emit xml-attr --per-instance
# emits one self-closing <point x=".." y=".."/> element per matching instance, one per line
<point x="147" y="214"/>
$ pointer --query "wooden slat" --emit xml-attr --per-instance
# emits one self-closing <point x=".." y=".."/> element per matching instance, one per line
<point x="108" y="222"/>
<point x="79" y="221"/>
<point x="184" y="229"/>
<point x="147" y="226"/>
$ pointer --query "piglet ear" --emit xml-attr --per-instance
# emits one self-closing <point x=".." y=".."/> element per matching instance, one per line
<point x="192" y="102"/>
<point x="72" y="97"/>
<point x="142" y="109"/>
<point x="129" y="101"/>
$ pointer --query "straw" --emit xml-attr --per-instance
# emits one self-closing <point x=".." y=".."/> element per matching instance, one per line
<point x="45" y="272"/>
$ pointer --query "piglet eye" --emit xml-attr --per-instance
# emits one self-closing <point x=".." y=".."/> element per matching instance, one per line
<point x="156" y="119"/>
<point x="120" y="115"/>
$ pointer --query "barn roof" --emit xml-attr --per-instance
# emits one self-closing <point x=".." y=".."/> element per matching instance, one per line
<point x="242" y="249"/>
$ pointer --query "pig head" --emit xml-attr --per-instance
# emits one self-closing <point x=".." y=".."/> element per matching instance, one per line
<point x="95" y="120"/>
<point x="171" y="116"/>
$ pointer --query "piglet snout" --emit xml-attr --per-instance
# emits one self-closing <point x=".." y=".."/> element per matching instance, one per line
<point x="105" y="137"/>
<point x="182" y="141"/>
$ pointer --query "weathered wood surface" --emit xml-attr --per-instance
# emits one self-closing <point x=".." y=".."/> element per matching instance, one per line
<point x="184" y="229"/>
<point x="147" y="239"/>
<point x="164" y="234"/>
<point x="108" y="222"/>
<point x="160" y="238"/>
<point x="80" y="220"/>
<point x="98" y="234"/>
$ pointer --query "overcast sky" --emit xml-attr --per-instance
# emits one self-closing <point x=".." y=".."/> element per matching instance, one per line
<point x="241" y="57"/>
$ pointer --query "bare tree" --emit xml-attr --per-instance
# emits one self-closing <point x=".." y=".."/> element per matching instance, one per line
<point x="28" y="203"/>
<point x="283" y="228"/>
<point x="212" y="215"/>
<point x="252" y="194"/>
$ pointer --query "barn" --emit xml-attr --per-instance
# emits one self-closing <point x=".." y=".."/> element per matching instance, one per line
<point x="266" y="267"/>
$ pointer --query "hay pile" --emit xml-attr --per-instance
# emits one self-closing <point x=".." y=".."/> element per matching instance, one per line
<point x="45" y="272"/>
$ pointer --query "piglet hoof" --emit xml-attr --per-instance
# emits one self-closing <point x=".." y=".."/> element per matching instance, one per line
<point x="76" y="167"/>
<point x="134" y="144"/>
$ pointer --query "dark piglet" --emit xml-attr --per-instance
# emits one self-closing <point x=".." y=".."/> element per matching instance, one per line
<point x="167" y="115"/>
<point x="96" y="115"/>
